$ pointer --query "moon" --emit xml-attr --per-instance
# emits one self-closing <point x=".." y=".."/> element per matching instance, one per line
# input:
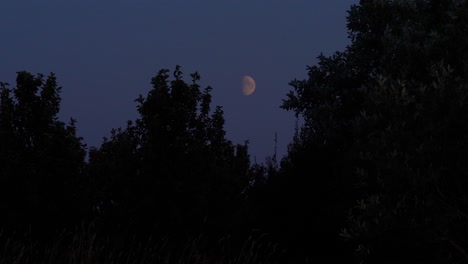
<point x="248" y="85"/>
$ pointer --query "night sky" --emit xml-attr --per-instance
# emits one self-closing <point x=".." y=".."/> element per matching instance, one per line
<point x="104" y="54"/>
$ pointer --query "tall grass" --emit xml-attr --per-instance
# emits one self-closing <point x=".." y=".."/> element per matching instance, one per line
<point x="84" y="246"/>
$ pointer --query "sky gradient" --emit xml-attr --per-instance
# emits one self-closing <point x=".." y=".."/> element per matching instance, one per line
<point x="104" y="54"/>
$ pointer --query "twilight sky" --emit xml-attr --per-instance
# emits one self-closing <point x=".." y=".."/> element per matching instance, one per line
<point x="104" y="54"/>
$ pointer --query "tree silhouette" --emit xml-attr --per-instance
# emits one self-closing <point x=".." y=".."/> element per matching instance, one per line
<point x="172" y="170"/>
<point x="385" y="119"/>
<point x="41" y="158"/>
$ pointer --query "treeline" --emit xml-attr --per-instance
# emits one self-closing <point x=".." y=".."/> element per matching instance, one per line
<point x="377" y="173"/>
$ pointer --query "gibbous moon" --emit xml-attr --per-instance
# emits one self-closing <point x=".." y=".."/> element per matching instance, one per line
<point x="248" y="85"/>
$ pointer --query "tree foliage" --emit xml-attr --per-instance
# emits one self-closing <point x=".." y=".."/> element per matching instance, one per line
<point x="390" y="111"/>
<point x="172" y="169"/>
<point x="41" y="158"/>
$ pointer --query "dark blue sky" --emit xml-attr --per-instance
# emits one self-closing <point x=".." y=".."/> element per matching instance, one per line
<point x="105" y="52"/>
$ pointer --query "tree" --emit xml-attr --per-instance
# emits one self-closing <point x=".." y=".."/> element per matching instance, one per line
<point x="172" y="170"/>
<point x="388" y="115"/>
<point x="41" y="158"/>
